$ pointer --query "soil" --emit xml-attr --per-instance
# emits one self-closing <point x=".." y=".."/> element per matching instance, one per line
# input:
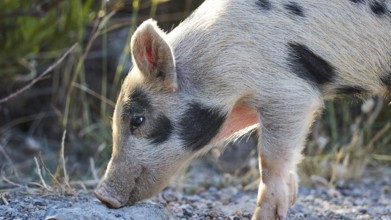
<point x="214" y="196"/>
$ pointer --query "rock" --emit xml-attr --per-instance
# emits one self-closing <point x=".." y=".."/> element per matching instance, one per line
<point x="214" y="213"/>
<point x="39" y="202"/>
<point x="187" y="212"/>
<point x="96" y="210"/>
<point x="169" y="196"/>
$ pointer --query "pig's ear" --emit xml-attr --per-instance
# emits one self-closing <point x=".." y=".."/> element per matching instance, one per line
<point x="153" y="56"/>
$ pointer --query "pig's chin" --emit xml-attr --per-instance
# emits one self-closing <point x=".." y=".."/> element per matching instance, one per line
<point x="145" y="188"/>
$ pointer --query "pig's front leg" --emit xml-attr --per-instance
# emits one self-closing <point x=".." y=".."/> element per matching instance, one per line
<point x="277" y="191"/>
<point x="283" y="131"/>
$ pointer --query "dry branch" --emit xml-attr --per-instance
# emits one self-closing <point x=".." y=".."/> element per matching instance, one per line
<point x="39" y="172"/>
<point x="48" y="70"/>
<point x="62" y="159"/>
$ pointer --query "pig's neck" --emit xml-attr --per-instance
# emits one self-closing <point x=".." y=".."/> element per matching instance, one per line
<point x="205" y="76"/>
<point x="240" y="115"/>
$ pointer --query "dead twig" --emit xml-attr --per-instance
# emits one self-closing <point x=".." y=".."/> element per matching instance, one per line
<point x="35" y="184"/>
<point x="49" y="69"/>
<point x="4" y="200"/>
<point x="378" y="135"/>
<point x="11" y="182"/>
<point x="93" y="169"/>
<point x="94" y="94"/>
<point x="62" y="159"/>
<point x="54" y="178"/>
<point x="39" y="172"/>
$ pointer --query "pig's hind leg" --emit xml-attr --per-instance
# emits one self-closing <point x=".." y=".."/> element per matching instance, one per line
<point x="285" y="123"/>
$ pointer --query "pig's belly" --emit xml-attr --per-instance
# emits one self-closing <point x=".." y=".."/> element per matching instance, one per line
<point x="240" y="117"/>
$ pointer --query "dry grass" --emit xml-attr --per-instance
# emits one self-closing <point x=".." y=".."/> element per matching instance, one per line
<point x="40" y="77"/>
<point x="353" y="150"/>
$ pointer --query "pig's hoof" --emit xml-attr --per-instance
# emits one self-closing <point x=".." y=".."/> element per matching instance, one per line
<point x="105" y="198"/>
<point x="275" y="197"/>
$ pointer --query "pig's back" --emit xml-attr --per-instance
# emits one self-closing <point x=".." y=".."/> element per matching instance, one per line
<point x="255" y="41"/>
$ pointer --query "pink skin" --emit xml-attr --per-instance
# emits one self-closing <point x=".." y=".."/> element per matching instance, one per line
<point x="240" y="117"/>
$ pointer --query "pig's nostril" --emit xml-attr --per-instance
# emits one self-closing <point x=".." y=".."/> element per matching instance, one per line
<point x="110" y="201"/>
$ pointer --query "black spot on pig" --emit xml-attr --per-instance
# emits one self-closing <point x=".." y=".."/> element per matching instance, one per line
<point x="386" y="80"/>
<point x="161" y="131"/>
<point x="351" y="90"/>
<point x="309" y="66"/>
<point x="264" y="4"/>
<point x="294" y="8"/>
<point x="378" y="8"/>
<point x="137" y="104"/>
<point x="357" y="1"/>
<point x="140" y="97"/>
<point x="199" y="124"/>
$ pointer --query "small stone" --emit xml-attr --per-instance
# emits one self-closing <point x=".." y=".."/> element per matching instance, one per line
<point x="39" y="202"/>
<point x="333" y="193"/>
<point x="247" y="215"/>
<point x="213" y="213"/>
<point x="386" y="189"/>
<point x="169" y="196"/>
<point x="356" y="192"/>
<point x="213" y="189"/>
<point x="299" y="216"/>
<point x="51" y="212"/>
<point x="187" y="212"/>
<point x="363" y="211"/>
<point x="358" y="202"/>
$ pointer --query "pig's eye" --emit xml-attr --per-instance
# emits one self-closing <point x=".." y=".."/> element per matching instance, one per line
<point x="136" y="122"/>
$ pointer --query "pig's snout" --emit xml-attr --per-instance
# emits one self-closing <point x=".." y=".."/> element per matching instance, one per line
<point x="118" y="183"/>
<point x="106" y="196"/>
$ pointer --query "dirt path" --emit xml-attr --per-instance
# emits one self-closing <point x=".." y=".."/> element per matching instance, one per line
<point x="369" y="198"/>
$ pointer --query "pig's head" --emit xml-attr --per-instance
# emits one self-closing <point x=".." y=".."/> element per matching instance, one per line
<point x="147" y="147"/>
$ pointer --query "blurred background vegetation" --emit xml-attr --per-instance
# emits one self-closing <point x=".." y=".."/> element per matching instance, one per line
<point x="79" y="95"/>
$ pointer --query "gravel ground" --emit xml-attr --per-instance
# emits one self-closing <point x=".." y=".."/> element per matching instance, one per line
<point x="369" y="198"/>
